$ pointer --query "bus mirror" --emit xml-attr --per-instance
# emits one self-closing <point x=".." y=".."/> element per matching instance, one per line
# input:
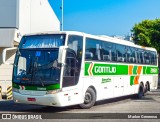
<point x="62" y="54"/>
<point x="7" y="53"/>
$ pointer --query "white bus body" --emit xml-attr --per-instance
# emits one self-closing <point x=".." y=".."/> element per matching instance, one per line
<point x="95" y="68"/>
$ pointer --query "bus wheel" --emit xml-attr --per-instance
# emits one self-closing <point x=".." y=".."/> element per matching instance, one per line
<point x="140" y="92"/>
<point x="89" y="100"/>
<point x="146" y="88"/>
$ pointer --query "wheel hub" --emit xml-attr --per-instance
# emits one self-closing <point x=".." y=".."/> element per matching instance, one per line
<point x="88" y="98"/>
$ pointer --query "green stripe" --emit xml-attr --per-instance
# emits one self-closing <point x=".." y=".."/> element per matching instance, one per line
<point x="122" y="70"/>
<point x="132" y="80"/>
<point x="44" y="88"/>
<point x="103" y="69"/>
<point x="86" y="67"/>
<point x="14" y="85"/>
<point x="106" y="69"/>
<point x="144" y="69"/>
<point x="150" y="70"/>
<point x="135" y="70"/>
<point x="116" y="69"/>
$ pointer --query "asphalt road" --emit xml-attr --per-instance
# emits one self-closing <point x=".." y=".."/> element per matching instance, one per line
<point x="129" y="105"/>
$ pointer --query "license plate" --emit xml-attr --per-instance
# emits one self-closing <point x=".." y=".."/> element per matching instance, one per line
<point x="31" y="99"/>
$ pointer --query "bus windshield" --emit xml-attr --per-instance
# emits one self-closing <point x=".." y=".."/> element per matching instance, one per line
<point x="36" y="61"/>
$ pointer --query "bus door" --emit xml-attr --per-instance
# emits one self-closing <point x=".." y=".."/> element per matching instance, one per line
<point x="69" y="76"/>
<point x="70" y="79"/>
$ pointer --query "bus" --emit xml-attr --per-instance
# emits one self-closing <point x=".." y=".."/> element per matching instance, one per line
<point x="74" y="68"/>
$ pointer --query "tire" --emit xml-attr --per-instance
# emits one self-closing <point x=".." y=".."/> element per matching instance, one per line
<point x="140" y="92"/>
<point x="89" y="100"/>
<point x="146" y="88"/>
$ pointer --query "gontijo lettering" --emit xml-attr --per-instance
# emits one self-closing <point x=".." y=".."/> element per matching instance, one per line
<point x="104" y="69"/>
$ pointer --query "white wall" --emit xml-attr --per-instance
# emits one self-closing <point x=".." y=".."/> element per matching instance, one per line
<point x="8" y="13"/>
<point x="19" y="17"/>
<point x="43" y="17"/>
<point x="37" y="16"/>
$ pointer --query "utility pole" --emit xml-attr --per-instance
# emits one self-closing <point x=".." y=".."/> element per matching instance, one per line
<point x="62" y="8"/>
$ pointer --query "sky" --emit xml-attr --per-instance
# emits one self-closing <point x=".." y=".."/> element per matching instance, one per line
<point x="105" y="17"/>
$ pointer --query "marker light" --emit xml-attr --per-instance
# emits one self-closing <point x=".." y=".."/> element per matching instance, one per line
<point x="53" y="91"/>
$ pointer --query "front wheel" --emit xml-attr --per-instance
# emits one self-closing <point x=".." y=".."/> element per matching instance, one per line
<point x="89" y="100"/>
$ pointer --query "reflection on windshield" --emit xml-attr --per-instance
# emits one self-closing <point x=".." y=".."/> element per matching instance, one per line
<point x="37" y="67"/>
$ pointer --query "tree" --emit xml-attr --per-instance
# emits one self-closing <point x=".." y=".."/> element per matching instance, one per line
<point x="147" y="33"/>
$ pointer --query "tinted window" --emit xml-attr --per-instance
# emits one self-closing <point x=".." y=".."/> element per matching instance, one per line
<point x="121" y="53"/>
<point x="147" y="57"/>
<point x="131" y="55"/>
<point x="153" y="58"/>
<point x="107" y="51"/>
<point x="93" y="49"/>
<point x="140" y="56"/>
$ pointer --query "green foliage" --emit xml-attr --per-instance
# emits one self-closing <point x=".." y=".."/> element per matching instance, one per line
<point x="147" y="33"/>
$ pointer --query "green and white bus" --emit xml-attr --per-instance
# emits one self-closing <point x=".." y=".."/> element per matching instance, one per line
<point x="75" y="68"/>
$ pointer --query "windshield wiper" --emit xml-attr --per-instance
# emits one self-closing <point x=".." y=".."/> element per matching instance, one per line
<point x="41" y="81"/>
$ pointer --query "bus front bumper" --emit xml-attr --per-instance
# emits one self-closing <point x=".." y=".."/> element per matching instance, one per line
<point x="47" y="100"/>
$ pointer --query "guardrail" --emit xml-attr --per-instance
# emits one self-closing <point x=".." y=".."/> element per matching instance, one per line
<point x="9" y="93"/>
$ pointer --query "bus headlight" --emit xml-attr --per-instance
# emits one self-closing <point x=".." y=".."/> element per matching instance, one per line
<point x="15" y="90"/>
<point x="53" y="91"/>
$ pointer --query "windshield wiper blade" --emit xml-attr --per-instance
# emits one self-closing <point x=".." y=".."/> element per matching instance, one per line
<point x="41" y="81"/>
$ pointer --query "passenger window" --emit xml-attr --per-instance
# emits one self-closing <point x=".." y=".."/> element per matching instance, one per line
<point x="153" y="58"/>
<point x="132" y="55"/>
<point x="121" y="53"/>
<point x="140" y="56"/>
<point x="147" y="58"/>
<point x="93" y="49"/>
<point x="106" y="51"/>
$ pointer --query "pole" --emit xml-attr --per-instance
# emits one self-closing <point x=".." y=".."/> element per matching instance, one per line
<point x="62" y="15"/>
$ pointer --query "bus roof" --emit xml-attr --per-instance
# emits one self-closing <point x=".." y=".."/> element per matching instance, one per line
<point x="98" y="37"/>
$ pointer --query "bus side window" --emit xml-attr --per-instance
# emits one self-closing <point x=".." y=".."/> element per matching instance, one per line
<point x="132" y="58"/>
<point x="113" y="53"/>
<point x="140" y="56"/>
<point x="128" y="54"/>
<point x="121" y="53"/>
<point x="93" y="49"/>
<point x="147" y="57"/>
<point x="153" y="58"/>
<point x="106" y="51"/>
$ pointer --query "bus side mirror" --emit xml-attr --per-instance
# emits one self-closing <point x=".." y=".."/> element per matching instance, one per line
<point x="7" y="53"/>
<point x="62" y="54"/>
